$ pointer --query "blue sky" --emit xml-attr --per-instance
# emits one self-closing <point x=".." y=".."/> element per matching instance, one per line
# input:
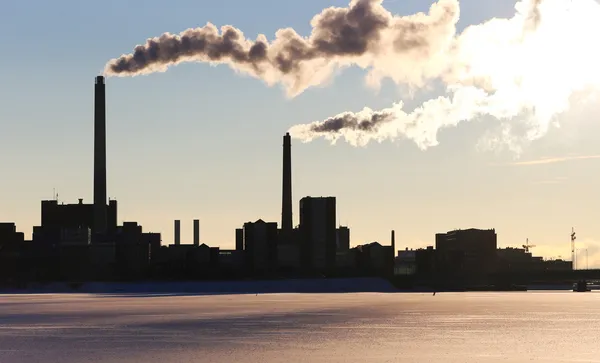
<point x="204" y="142"/>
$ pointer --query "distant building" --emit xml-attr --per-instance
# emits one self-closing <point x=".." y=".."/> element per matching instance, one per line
<point x="202" y="260"/>
<point x="346" y="261"/>
<point x="10" y="244"/>
<point x="231" y="260"/>
<point x="154" y="241"/>
<point x="426" y="262"/>
<point x="132" y="250"/>
<point x="260" y="244"/>
<point x="342" y="239"/>
<point x="58" y="217"/>
<point x="288" y="250"/>
<point x="470" y="252"/>
<point x="75" y="236"/>
<point x="557" y="265"/>
<point x="514" y="260"/>
<point x="9" y="235"/>
<point x="239" y="239"/>
<point x="375" y="259"/>
<point x="405" y="262"/>
<point x="318" y="233"/>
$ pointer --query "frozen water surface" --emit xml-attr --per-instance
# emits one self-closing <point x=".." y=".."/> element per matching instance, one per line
<point x="353" y="327"/>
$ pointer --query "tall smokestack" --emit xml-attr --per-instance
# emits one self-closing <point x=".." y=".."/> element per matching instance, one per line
<point x="177" y="236"/>
<point x="196" y="232"/>
<point x="394" y="241"/>
<point x="99" y="159"/>
<point x="286" y="201"/>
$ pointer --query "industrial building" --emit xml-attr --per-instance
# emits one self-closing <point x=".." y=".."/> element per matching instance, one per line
<point x="469" y="252"/>
<point x="82" y="241"/>
<point x="318" y="232"/>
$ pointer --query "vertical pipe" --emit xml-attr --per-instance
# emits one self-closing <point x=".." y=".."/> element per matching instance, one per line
<point x="177" y="232"/>
<point x="99" y="209"/>
<point x="286" y="202"/>
<point x="196" y="232"/>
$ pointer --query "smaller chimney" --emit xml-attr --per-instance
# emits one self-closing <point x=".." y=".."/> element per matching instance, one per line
<point x="196" y="232"/>
<point x="177" y="232"/>
<point x="394" y="241"/>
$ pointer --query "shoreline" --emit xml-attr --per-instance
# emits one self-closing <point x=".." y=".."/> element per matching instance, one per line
<point x="334" y="285"/>
<point x="281" y="286"/>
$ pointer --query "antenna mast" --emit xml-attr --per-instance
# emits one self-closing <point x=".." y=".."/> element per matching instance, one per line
<point x="574" y="267"/>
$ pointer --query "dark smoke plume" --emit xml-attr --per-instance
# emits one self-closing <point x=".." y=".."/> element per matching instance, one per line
<point x="363" y="33"/>
<point x="366" y="122"/>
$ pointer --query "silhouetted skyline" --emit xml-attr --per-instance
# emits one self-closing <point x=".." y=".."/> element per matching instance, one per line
<point x="177" y="146"/>
<point x="78" y="243"/>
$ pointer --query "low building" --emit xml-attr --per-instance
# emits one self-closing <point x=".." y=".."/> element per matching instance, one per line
<point x="345" y="261"/>
<point x="342" y="238"/>
<point x="514" y="260"/>
<point x="231" y="260"/>
<point x="75" y="236"/>
<point x="557" y="265"/>
<point x="469" y="253"/>
<point x="260" y="246"/>
<point x="405" y="262"/>
<point x="375" y="259"/>
<point x="426" y="262"/>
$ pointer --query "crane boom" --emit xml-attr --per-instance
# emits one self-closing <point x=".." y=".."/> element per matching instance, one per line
<point x="527" y="246"/>
<point x="573" y="237"/>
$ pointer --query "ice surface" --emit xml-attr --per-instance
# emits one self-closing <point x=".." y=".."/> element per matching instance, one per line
<point x="353" y="327"/>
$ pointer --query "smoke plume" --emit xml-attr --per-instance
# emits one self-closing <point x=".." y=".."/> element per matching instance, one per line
<point x="363" y="34"/>
<point x="521" y="70"/>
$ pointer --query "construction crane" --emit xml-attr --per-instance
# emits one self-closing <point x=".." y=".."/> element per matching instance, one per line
<point x="573" y="262"/>
<point x="527" y="246"/>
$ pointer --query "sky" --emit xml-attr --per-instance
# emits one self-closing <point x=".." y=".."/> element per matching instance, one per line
<point x="204" y="142"/>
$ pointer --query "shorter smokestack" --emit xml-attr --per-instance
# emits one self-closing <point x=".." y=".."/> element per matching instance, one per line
<point x="177" y="232"/>
<point x="196" y="232"/>
<point x="394" y="241"/>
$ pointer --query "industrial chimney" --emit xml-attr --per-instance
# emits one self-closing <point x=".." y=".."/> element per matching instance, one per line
<point x="286" y="202"/>
<point x="196" y="232"/>
<point x="177" y="228"/>
<point x="394" y="242"/>
<point x="99" y="209"/>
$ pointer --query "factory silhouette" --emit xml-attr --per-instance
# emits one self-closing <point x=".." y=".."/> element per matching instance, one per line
<point x="83" y="242"/>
